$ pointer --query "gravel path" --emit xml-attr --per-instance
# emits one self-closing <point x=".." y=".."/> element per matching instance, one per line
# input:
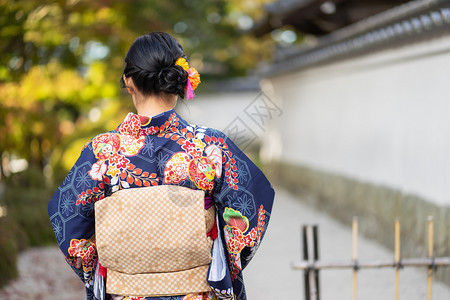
<point x="45" y="275"/>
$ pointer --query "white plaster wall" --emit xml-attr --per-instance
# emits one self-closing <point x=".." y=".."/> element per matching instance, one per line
<point x="383" y="118"/>
<point x="215" y="110"/>
<point x="220" y="111"/>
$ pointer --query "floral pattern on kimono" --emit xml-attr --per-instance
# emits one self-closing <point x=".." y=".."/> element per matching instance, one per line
<point x="165" y="149"/>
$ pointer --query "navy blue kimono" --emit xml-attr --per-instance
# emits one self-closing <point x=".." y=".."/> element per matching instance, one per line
<point x="165" y="149"/>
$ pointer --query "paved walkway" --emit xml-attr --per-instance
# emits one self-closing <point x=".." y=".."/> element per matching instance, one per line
<point x="269" y="275"/>
<point x="45" y="275"/>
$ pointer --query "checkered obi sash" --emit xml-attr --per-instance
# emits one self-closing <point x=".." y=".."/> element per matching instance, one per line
<point x="153" y="241"/>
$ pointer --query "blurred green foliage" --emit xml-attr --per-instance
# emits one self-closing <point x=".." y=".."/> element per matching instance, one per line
<point x="62" y="58"/>
<point x="8" y="249"/>
<point x="26" y="223"/>
<point x="61" y="61"/>
<point x="28" y="207"/>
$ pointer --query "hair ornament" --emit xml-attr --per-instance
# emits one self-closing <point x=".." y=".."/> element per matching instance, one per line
<point x="193" y="77"/>
<point x="182" y="63"/>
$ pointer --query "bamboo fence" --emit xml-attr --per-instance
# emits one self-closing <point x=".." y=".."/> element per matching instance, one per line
<point x="311" y="264"/>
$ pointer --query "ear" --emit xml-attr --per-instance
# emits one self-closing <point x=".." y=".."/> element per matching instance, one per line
<point x="128" y="84"/>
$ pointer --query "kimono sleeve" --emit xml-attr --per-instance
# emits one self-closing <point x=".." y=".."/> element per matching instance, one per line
<point x="71" y="212"/>
<point x="244" y="199"/>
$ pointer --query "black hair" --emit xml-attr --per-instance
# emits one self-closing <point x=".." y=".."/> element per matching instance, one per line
<point x="150" y="62"/>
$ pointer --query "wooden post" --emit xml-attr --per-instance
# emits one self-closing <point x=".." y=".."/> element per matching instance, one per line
<point x="397" y="258"/>
<point x="305" y="258"/>
<point x="355" y="256"/>
<point x="430" y="255"/>
<point x="312" y="280"/>
<point x="316" y="258"/>
<point x="310" y="254"/>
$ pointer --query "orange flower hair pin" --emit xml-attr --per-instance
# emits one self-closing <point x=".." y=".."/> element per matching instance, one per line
<point x="193" y="77"/>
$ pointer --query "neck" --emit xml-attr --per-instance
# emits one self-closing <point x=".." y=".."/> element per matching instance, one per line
<point x="154" y="105"/>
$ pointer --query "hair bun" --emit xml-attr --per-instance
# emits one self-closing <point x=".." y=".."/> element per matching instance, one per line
<point x="173" y="80"/>
<point x="150" y="62"/>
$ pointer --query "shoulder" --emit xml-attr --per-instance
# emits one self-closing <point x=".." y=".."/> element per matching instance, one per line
<point x="217" y="139"/>
<point x="214" y="136"/>
<point x="208" y="132"/>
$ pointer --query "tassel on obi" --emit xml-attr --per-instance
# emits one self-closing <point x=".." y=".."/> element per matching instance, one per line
<point x="99" y="282"/>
